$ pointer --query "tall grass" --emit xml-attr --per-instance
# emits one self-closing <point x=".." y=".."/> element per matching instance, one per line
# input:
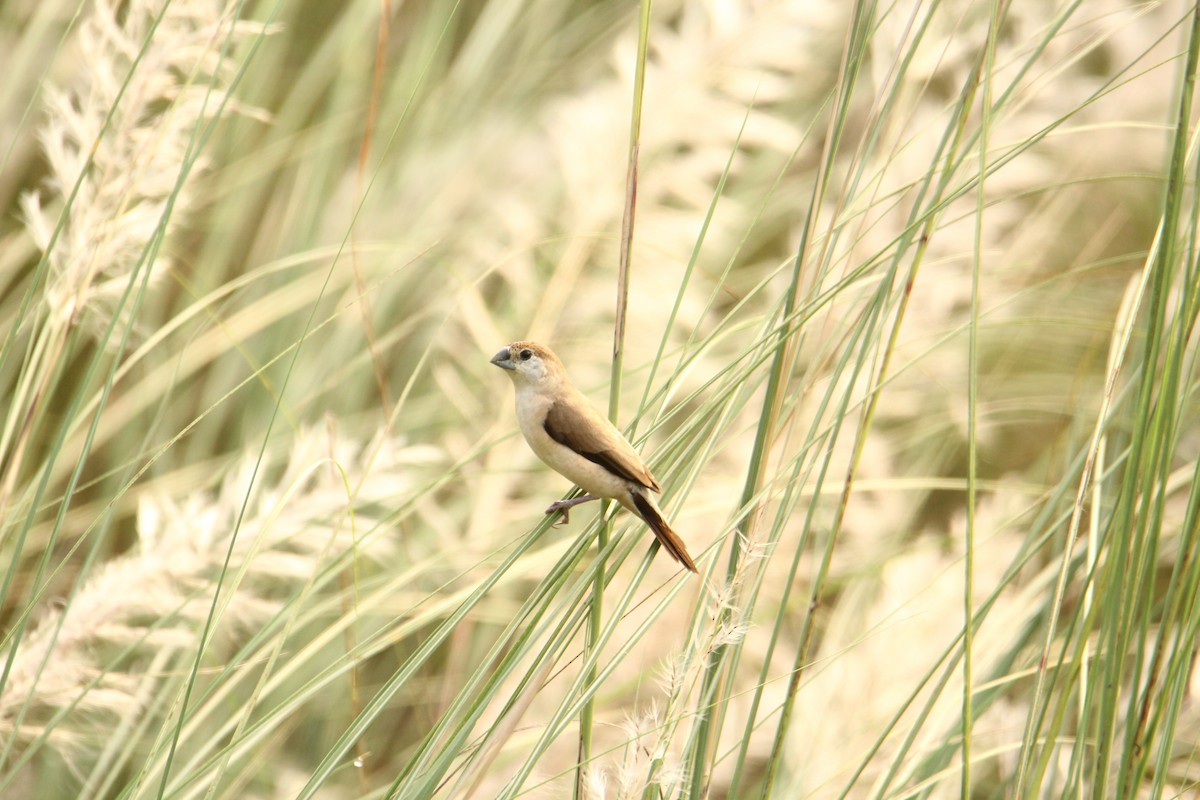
<point x="910" y="341"/>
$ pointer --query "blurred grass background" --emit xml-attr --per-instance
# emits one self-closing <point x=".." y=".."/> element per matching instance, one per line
<point x="911" y="342"/>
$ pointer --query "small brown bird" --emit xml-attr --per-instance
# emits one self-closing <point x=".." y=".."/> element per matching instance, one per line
<point x="576" y="441"/>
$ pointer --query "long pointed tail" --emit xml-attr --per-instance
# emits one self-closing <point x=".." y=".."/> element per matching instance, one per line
<point x="670" y="539"/>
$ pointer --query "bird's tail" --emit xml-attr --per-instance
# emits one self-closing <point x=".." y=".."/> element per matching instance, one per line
<point x="648" y="511"/>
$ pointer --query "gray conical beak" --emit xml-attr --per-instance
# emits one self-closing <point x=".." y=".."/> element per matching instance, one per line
<point x="502" y="360"/>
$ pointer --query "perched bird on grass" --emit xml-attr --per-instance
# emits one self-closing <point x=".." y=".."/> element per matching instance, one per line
<point x="579" y="443"/>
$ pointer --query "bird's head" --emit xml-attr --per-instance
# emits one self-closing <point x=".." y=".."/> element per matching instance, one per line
<point x="528" y="362"/>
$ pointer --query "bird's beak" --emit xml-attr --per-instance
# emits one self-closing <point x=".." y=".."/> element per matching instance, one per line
<point x="502" y="360"/>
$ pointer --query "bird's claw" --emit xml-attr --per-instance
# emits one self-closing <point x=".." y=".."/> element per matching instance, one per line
<point x="565" y="508"/>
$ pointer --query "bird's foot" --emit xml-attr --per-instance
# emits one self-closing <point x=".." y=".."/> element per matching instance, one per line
<point x="565" y="507"/>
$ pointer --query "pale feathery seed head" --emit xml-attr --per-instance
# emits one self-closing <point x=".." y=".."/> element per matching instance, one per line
<point x="729" y="633"/>
<point x="124" y="132"/>
<point x="673" y="674"/>
<point x="596" y="784"/>
<point x="155" y="598"/>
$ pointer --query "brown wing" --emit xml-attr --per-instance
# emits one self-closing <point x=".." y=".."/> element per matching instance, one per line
<point x="585" y="433"/>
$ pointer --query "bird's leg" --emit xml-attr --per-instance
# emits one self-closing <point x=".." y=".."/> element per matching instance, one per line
<point x="565" y="507"/>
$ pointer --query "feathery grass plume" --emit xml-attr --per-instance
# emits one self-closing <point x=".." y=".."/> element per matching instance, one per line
<point x="131" y="629"/>
<point x="121" y="141"/>
<point x="645" y="765"/>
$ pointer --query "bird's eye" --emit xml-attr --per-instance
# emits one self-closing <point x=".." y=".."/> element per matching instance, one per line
<point x="526" y="355"/>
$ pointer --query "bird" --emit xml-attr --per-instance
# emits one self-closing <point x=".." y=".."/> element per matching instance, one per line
<point x="566" y="432"/>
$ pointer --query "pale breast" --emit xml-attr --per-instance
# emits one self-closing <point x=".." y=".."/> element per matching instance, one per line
<point x="587" y="475"/>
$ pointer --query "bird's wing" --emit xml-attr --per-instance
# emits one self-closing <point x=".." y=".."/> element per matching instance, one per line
<point x="593" y="437"/>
